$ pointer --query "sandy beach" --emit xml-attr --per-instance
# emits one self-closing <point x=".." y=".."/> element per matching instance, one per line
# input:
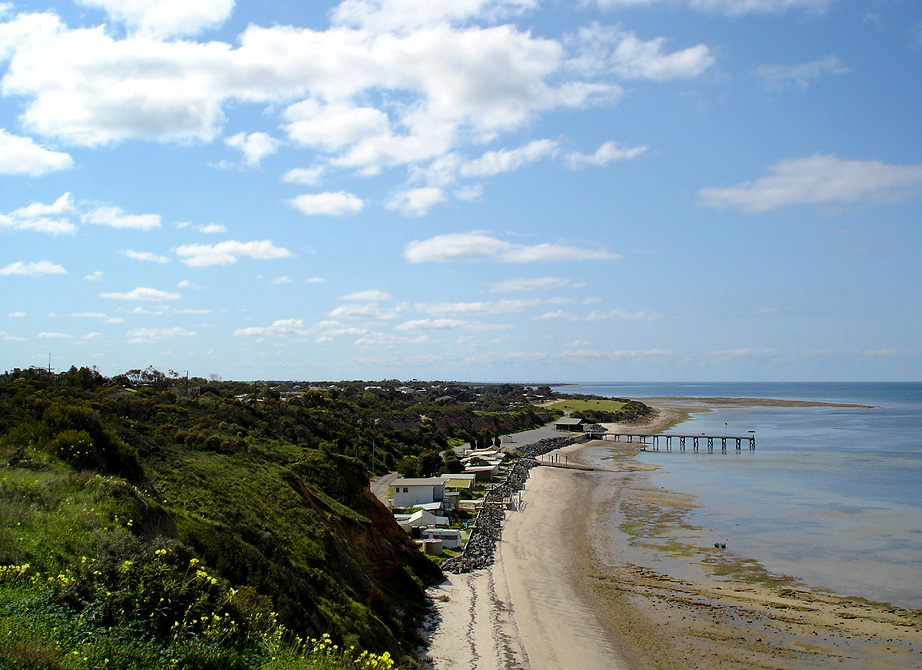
<point x="661" y="597"/>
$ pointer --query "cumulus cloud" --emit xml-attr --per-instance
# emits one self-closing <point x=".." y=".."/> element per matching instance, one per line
<point x="599" y="315"/>
<point x="115" y="217"/>
<point x="54" y="219"/>
<point x="506" y="160"/>
<point x="143" y="294"/>
<point x="255" y="146"/>
<point x="32" y="269"/>
<point x="726" y="7"/>
<point x="227" y="253"/>
<point x="608" y="152"/>
<point x="821" y="179"/>
<point x="468" y="246"/>
<point x="444" y="309"/>
<point x="779" y="77"/>
<point x="330" y="204"/>
<point x="145" y="256"/>
<point x="364" y="311"/>
<point x="526" y="284"/>
<point x="305" y="176"/>
<point x="609" y="50"/>
<point x="557" y="252"/>
<point x="417" y="201"/>
<point x="163" y="18"/>
<point x="279" y="328"/>
<point x="454" y="247"/>
<point x="370" y="295"/>
<point x="437" y="85"/>
<point x="20" y="155"/>
<point x="145" y="335"/>
<point x="430" y="324"/>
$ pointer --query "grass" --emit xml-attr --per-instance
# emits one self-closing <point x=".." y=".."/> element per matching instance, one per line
<point x="601" y="405"/>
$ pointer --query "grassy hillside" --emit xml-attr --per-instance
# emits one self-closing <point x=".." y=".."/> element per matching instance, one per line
<point x="156" y="522"/>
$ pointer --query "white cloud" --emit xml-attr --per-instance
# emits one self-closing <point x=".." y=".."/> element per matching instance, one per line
<point x="279" y="328"/>
<point x="598" y="315"/>
<point x="557" y="252"/>
<point x="227" y="253"/>
<point x="370" y="295"/>
<point x="524" y="284"/>
<point x="142" y="293"/>
<point x="609" y="50"/>
<point x="605" y="154"/>
<point x="315" y="280"/>
<point x="779" y="77"/>
<point x="454" y="247"/>
<point x="146" y="256"/>
<point x="330" y="204"/>
<point x="305" y="176"/>
<point x="55" y="336"/>
<point x="364" y="311"/>
<point x="281" y="280"/>
<point x="143" y="335"/>
<point x="163" y="18"/>
<point x="333" y="126"/>
<point x="726" y="7"/>
<point x="462" y="246"/>
<point x="115" y="217"/>
<point x="820" y="179"/>
<point x="20" y="155"/>
<point x="32" y="269"/>
<point x="430" y="324"/>
<point x="39" y="217"/>
<point x="255" y="146"/>
<point x="212" y="228"/>
<point x="16" y="315"/>
<point x="417" y="201"/>
<point x="432" y="88"/>
<point x="444" y="309"/>
<point x="506" y="160"/>
<point x="96" y="275"/>
<point x="404" y="15"/>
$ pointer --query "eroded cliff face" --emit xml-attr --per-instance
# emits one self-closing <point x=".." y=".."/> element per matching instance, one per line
<point x="323" y="549"/>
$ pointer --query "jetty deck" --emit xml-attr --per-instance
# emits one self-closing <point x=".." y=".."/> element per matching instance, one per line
<point x="655" y="440"/>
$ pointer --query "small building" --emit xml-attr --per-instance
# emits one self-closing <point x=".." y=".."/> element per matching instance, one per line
<point x="570" y="424"/>
<point x="450" y="537"/>
<point x="410" y="492"/>
<point x="459" y="481"/>
<point x="483" y="473"/>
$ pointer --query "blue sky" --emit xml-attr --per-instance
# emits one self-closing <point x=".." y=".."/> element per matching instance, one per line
<point x="463" y="189"/>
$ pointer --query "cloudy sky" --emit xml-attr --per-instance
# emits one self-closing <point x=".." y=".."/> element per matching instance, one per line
<point x="525" y="190"/>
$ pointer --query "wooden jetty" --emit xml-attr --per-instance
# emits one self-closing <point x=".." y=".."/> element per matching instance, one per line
<point x="655" y="439"/>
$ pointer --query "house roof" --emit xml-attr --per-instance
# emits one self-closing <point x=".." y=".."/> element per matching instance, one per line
<point x="460" y="483"/>
<point x="418" y="481"/>
<point x="568" y="421"/>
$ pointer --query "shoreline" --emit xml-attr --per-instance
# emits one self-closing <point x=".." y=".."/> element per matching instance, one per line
<point x="658" y="598"/>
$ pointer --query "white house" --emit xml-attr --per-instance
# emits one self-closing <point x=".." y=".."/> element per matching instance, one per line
<point x="406" y="492"/>
<point x="450" y="537"/>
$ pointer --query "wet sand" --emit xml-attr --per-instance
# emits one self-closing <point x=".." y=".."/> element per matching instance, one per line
<point x="562" y="594"/>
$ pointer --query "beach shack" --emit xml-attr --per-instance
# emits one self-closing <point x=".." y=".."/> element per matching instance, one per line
<point x="411" y="492"/>
<point x="570" y="424"/>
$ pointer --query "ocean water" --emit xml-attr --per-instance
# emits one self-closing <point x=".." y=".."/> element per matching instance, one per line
<point x="831" y="495"/>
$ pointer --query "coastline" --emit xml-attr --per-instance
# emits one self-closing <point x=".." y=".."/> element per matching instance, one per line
<point x="660" y="597"/>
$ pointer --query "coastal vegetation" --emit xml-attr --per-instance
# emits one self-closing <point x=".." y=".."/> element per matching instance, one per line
<point x="153" y="520"/>
<point x="603" y="410"/>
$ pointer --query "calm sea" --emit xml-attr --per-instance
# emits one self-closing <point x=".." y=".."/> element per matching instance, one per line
<point x="831" y="495"/>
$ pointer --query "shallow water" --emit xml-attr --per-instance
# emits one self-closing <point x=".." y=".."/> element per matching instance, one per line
<point x="831" y="496"/>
